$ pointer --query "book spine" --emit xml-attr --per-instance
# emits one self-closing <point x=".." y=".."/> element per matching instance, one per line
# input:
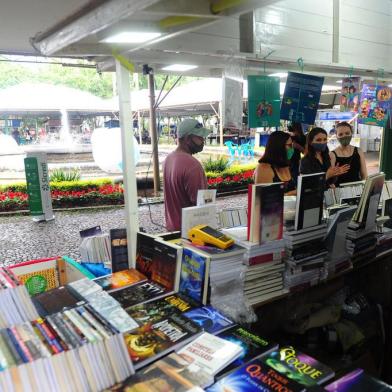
<point x="9" y="344"/>
<point x="62" y="333"/>
<point x="261" y="259"/>
<point x="72" y="328"/>
<point x="92" y="322"/>
<point x="48" y="336"/>
<point x="19" y="349"/>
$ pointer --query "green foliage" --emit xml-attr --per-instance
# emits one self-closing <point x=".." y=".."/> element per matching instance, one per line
<point x="231" y="171"/>
<point x="60" y="186"/>
<point x="60" y="175"/>
<point x="216" y="165"/>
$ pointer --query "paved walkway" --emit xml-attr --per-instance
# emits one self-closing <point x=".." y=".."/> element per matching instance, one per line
<point x="22" y="239"/>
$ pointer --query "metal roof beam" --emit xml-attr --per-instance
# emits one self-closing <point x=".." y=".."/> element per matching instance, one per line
<point x="99" y="18"/>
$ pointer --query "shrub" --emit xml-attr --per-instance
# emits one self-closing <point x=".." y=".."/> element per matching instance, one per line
<point x="216" y="165"/>
<point x="59" y="175"/>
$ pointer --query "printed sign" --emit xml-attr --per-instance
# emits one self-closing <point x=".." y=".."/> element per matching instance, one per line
<point x="301" y="98"/>
<point x="349" y="98"/>
<point x="264" y="101"/>
<point x="374" y="105"/>
<point x="38" y="188"/>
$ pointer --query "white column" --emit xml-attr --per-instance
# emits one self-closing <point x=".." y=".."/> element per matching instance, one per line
<point x="130" y="187"/>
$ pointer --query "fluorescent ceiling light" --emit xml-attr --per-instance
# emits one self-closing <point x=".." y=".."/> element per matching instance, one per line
<point x="132" y="37"/>
<point x="339" y="81"/>
<point x="279" y="74"/>
<point x="179" y="67"/>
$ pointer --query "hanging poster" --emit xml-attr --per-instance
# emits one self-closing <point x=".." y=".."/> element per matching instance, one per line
<point x="374" y="104"/>
<point x="263" y="101"/>
<point x="232" y="103"/>
<point x="301" y="98"/>
<point x="349" y="98"/>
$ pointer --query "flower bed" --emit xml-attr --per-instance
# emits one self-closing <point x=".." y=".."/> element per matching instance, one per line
<point x="237" y="177"/>
<point x="66" y="195"/>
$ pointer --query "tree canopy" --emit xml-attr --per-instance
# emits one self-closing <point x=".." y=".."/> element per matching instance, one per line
<point x="86" y="79"/>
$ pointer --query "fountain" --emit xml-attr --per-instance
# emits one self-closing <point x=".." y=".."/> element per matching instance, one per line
<point x="11" y="155"/>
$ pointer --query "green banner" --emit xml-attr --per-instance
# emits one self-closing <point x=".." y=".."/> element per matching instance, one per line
<point x="33" y="186"/>
<point x="263" y="101"/>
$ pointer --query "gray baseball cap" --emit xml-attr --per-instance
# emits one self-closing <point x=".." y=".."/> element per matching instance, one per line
<point x="192" y="127"/>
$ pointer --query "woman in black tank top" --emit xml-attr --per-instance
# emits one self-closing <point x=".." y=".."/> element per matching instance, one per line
<point x="346" y="154"/>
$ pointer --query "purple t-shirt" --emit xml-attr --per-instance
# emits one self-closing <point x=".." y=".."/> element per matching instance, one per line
<point x="183" y="176"/>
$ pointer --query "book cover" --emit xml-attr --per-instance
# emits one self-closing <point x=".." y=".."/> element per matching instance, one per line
<point x="298" y="366"/>
<point x="310" y="197"/>
<point x="170" y="374"/>
<point x="156" y="310"/>
<point x="194" y="275"/>
<point x="255" y="376"/>
<point x="145" y="244"/>
<point x="119" y="249"/>
<point x="152" y="341"/>
<point x="270" y="198"/>
<point x="210" y="319"/>
<point x="357" y="381"/>
<point x="55" y="300"/>
<point x="198" y="215"/>
<point x="210" y="352"/>
<point x="253" y="346"/>
<point x="138" y="293"/>
<point x="166" y="265"/>
<point x="120" y="279"/>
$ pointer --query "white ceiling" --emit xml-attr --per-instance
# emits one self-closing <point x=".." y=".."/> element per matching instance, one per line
<point x="288" y="28"/>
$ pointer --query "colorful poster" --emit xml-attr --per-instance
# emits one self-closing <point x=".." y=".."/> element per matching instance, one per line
<point x="349" y="98"/>
<point x="374" y="105"/>
<point x="263" y="101"/>
<point x="301" y="98"/>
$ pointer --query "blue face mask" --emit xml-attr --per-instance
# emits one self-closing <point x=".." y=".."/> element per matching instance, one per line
<point x="319" y="146"/>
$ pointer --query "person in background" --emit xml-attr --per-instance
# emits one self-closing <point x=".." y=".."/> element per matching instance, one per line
<point x="299" y="142"/>
<point x="16" y="135"/>
<point x="317" y="160"/>
<point x="183" y="174"/>
<point x="346" y="154"/>
<point x="274" y="166"/>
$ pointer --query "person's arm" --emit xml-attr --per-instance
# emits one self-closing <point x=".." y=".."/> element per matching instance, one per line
<point x="195" y="180"/>
<point x="263" y="174"/>
<point x="363" y="170"/>
<point x="333" y="158"/>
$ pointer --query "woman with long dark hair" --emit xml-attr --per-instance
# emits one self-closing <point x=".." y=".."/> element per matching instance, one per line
<point x="317" y="160"/>
<point x="274" y="166"/>
<point x="299" y="143"/>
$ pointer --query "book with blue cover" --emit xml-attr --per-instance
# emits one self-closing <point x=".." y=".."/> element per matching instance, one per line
<point x="253" y="346"/>
<point x="358" y="381"/>
<point x="194" y="275"/>
<point x="255" y="376"/>
<point x="210" y="319"/>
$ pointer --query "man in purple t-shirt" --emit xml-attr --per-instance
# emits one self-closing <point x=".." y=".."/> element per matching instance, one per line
<point x="183" y="174"/>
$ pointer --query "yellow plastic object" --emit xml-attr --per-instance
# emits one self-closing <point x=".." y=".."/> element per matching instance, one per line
<point x="206" y="235"/>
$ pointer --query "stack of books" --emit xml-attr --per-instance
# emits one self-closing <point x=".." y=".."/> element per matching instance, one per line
<point x="361" y="231"/>
<point x="75" y="350"/>
<point x="15" y="303"/>
<point x="305" y="249"/>
<point x="81" y="292"/>
<point x="305" y="257"/>
<point x="338" y="258"/>
<point x="96" y="249"/>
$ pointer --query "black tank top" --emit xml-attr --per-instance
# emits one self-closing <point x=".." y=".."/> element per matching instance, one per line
<point x="288" y="185"/>
<point x="354" y="174"/>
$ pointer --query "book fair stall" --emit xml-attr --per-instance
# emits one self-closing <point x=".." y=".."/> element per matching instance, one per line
<point x="290" y="293"/>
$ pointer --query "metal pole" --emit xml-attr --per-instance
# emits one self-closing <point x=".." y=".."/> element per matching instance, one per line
<point x="221" y="123"/>
<point x="130" y="187"/>
<point x="153" y="132"/>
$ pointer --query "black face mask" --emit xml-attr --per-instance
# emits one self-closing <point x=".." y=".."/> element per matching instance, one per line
<point x="195" y="148"/>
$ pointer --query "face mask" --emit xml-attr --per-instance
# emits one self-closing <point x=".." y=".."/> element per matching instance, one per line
<point x="345" y="140"/>
<point x="290" y="153"/>
<point x="320" y="146"/>
<point x="194" y="147"/>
